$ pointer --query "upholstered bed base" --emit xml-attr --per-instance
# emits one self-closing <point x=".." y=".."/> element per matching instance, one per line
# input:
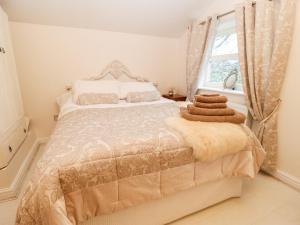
<point x="175" y="206"/>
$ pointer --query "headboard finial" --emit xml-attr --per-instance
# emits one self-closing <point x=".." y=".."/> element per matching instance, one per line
<point x="117" y="69"/>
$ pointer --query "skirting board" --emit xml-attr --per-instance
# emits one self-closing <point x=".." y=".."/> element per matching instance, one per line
<point x="287" y="179"/>
<point x="12" y="192"/>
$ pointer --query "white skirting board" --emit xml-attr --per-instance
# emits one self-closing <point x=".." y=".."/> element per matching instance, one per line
<point x="13" y="190"/>
<point x="287" y="179"/>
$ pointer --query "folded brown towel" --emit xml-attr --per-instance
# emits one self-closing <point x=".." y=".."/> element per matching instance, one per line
<point x="210" y="105"/>
<point x="210" y="99"/>
<point x="237" y="118"/>
<point x="209" y="112"/>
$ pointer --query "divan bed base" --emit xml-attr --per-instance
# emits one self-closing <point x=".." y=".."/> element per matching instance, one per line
<point x="175" y="206"/>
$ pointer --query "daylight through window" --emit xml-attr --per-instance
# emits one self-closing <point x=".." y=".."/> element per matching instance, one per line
<point x="223" y="70"/>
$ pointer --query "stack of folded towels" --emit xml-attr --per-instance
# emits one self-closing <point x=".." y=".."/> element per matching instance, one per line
<point x="211" y="108"/>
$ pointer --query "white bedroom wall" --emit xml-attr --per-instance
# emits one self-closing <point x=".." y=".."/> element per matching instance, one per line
<point x="49" y="57"/>
<point x="289" y="122"/>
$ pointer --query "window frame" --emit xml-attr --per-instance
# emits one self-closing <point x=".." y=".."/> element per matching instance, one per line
<point x="205" y="83"/>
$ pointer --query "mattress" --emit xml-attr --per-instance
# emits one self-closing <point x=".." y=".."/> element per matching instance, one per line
<point x="102" y="160"/>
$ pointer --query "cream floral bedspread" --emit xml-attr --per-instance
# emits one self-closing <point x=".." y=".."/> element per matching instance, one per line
<point x="99" y="161"/>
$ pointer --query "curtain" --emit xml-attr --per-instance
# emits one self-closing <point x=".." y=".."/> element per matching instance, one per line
<point x="264" y="33"/>
<point x="200" y="36"/>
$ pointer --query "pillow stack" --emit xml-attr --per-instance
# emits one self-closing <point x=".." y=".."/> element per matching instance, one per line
<point x="211" y="108"/>
<point x="90" y="92"/>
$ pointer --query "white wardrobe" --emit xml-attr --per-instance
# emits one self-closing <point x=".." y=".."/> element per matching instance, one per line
<point x="14" y="134"/>
<point x="11" y="107"/>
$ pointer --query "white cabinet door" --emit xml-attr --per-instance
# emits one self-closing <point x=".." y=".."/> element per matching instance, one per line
<point x="11" y="107"/>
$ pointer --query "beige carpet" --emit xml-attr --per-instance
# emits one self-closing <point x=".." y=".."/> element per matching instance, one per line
<point x="265" y="201"/>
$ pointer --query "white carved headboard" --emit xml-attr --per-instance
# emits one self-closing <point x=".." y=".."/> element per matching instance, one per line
<point x="115" y="70"/>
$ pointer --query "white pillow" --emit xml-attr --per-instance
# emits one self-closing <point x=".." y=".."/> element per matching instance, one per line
<point x="127" y="87"/>
<point x="83" y="87"/>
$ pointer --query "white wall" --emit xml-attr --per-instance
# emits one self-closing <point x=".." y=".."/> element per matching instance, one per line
<point x="289" y="121"/>
<point x="49" y="57"/>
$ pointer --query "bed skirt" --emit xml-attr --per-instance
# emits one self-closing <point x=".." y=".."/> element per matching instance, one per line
<point x="175" y="206"/>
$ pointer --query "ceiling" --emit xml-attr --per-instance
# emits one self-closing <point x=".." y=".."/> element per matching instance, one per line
<point x="151" y="17"/>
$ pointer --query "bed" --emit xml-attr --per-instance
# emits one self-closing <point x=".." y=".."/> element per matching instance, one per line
<point x="121" y="164"/>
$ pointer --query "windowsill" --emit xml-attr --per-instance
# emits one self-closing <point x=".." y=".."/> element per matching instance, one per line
<point x="225" y="91"/>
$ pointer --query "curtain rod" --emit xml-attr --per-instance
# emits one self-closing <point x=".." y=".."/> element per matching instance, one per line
<point x="219" y="16"/>
<point x="226" y="13"/>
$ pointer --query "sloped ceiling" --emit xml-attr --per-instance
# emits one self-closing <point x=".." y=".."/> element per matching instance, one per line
<point x="151" y="17"/>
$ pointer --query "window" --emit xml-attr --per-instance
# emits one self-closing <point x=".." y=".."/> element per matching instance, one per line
<point x="223" y="60"/>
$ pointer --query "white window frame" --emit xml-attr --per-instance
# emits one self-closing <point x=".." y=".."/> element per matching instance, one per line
<point x="205" y="84"/>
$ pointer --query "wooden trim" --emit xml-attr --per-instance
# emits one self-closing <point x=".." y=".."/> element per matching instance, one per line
<point x="287" y="179"/>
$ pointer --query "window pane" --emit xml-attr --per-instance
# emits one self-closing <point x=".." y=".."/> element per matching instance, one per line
<point x="225" y="44"/>
<point x="220" y="69"/>
<point x="223" y="57"/>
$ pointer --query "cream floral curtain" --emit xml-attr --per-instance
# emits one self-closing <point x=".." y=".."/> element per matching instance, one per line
<point x="264" y="40"/>
<point x="200" y="35"/>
